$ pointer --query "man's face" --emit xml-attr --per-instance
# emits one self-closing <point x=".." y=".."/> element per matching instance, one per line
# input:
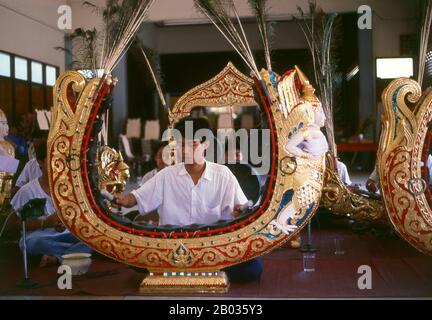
<point x="193" y="151"/>
<point x="160" y="163"/>
<point x="4" y="128"/>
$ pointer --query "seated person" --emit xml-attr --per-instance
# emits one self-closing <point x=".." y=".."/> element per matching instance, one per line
<point x="19" y="142"/>
<point x="153" y="217"/>
<point x="429" y="169"/>
<point x="372" y="184"/>
<point x="157" y="158"/>
<point x="47" y="237"/>
<point x="38" y="137"/>
<point x="30" y="172"/>
<point x="343" y="173"/>
<point x="31" y="169"/>
<point x="192" y="192"/>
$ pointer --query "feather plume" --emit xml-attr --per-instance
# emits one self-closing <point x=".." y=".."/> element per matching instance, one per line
<point x="155" y="73"/>
<point x="259" y="7"/>
<point x="424" y="40"/>
<point x="122" y="21"/>
<point x="219" y="13"/>
<point x="318" y="29"/>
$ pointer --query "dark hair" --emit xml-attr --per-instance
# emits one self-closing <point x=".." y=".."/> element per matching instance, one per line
<point x="41" y="152"/>
<point x="157" y="146"/>
<point x="197" y="124"/>
<point x="40" y="134"/>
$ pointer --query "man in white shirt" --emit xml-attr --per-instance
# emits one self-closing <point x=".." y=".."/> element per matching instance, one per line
<point x="193" y="192"/>
<point x="30" y="172"/>
<point x="47" y="237"/>
<point x="343" y="173"/>
<point x="373" y="183"/>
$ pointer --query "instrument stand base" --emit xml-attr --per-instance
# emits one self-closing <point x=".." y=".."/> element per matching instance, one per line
<point x="26" y="284"/>
<point x="185" y="282"/>
<point x="308" y="248"/>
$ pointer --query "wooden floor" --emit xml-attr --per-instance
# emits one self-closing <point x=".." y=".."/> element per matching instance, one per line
<point x="398" y="271"/>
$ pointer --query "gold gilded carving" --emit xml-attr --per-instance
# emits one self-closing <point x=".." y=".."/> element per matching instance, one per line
<point x="113" y="171"/>
<point x="182" y="256"/>
<point x="340" y="200"/>
<point x="73" y="103"/>
<point x="184" y="282"/>
<point x="229" y="88"/>
<point x="405" y="123"/>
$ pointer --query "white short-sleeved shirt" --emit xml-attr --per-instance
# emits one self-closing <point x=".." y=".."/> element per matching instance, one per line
<point x="374" y="176"/>
<point x="343" y="173"/>
<point x="429" y="167"/>
<point x="29" y="191"/>
<point x="180" y="202"/>
<point x="30" y="172"/>
<point x="148" y="176"/>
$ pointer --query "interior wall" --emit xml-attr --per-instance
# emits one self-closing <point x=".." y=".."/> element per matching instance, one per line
<point x="36" y="22"/>
<point x="206" y="38"/>
<point x="35" y="32"/>
<point x="390" y="20"/>
<point x="29" y="29"/>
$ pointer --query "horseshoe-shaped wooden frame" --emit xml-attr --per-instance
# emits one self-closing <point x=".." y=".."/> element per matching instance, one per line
<point x="175" y="260"/>
<point x="407" y="116"/>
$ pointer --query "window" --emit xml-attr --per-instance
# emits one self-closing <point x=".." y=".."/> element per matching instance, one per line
<point x="32" y="89"/>
<point x="5" y="67"/>
<point x="50" y="76"/>
<point x="36" y="72"/>
<point x="21" y="69"/>
<point x="392" y="68"/>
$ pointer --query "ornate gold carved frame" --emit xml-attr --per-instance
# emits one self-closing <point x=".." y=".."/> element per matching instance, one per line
<point x="404" y="146"/>
<point x="340" y="200"/>
<point x="185" y="259"/>
<point x="232" y="88"/>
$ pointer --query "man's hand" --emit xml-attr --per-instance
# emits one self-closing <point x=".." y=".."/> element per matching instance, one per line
<point x="54" y="222"/>
<point x="59" y="227"/>
<point x="371" y="186"/>
<point x="127" y="201"/>
<point x="237" y="211"/>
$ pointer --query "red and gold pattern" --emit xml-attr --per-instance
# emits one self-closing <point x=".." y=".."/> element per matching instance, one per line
<point x="342" y="201"/>
<point x="406" y="119"/>
<point x="76" y="107"/>
<point x="229" y="88"/>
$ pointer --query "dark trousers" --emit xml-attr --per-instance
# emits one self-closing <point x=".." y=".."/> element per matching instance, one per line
<point x="249" y="271"/>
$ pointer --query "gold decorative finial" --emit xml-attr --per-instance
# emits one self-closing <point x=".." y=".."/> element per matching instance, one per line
<point x="308" y="91"/>
<point x="113" y="171"/>
<point x="303" y="79"/>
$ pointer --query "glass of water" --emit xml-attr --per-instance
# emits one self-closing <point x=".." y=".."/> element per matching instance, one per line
<point x="309" y="262"/>
<point x="338" y="242"/>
